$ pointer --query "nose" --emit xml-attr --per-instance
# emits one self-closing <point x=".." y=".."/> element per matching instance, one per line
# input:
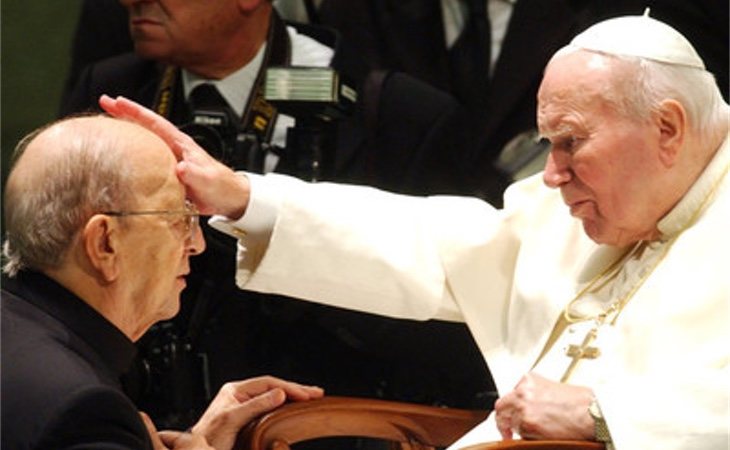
<point x="196" y="243"/>
<point x="557" y="169"/>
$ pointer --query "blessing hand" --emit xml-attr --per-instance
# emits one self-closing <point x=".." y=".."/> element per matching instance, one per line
<point x="211" y="185"/>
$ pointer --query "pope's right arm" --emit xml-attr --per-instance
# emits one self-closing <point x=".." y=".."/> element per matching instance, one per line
<point x="348" y="246"/>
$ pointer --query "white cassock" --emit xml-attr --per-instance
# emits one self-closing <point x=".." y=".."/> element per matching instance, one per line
<point x="663" y="376"/>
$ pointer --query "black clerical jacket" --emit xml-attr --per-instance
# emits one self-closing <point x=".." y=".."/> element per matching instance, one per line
<point x="61" y="368"/>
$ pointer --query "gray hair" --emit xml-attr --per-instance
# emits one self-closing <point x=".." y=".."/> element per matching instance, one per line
<point x="651" y="82"/>
<point x="44" y="213"/>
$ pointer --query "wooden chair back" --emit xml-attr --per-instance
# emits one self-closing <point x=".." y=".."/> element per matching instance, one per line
<point x="406" y="426"/>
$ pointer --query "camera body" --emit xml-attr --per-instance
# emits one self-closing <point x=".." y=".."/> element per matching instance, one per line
<point x="317" y="97"/>
<point x="220" y="134"/>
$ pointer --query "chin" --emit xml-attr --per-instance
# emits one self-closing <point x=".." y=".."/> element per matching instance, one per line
<point x="172" y="309"/>
<point x="152" y="49"/>
<point x="615" y="239"/>
<point x="173" y="312"/>
<point x="594" y="232"/>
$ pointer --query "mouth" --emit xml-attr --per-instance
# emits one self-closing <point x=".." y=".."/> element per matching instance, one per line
<point x="142" y="17"/>
<point x="580" y="209"/>
<point x="182" y="278"/>
<point x="143" y="22"/>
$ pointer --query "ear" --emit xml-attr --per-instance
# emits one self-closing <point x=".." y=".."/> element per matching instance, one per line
<point x="671" y="118"/>
<point x="101" y="241"/>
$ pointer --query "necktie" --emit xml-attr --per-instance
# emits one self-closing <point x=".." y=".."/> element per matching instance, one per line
<point x="213" y="124"/>
<point x="470" y="58"/>
<point x="206" y="97"/>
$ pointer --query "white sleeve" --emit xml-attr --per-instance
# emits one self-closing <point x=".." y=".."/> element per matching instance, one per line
<point x="354" y="247"/>
<point x="365" y="249"/>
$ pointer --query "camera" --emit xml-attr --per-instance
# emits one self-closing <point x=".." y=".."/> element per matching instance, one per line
<point x="317" y="97"/>
<point x="218" y="132"/>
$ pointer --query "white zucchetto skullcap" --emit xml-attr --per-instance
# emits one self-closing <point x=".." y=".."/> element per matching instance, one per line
<point x="640" y="36"/>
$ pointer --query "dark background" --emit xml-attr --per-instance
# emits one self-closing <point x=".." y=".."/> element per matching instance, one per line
<point x="35" y="39"/>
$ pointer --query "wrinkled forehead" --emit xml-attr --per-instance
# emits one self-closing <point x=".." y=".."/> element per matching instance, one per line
<point x="574" y="71"/>
<point x="152" y="163"/>
<point x="578" y="81"/>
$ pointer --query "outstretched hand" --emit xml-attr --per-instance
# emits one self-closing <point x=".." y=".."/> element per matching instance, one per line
<point x="211" y="185"/>
<point x="538" y="408"/>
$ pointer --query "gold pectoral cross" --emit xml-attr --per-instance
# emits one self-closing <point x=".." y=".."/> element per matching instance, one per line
<point x="582" y="351"/>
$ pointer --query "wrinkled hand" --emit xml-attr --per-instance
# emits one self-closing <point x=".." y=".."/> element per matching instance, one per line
<point x="237" y="403"/>
<point x="173" y="440"/>
<point x="211" y="185"/>
<point x="538" y="408"/>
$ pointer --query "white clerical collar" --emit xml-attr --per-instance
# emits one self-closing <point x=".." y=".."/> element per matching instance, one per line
<point x="680" y="216"/>
<point x="235" y="88"/>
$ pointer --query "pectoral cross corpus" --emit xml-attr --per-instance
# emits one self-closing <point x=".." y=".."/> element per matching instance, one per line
<point x="582" y="351"/>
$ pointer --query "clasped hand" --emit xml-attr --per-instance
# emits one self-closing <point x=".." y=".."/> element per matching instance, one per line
<point x="236" y="404"/>
<point x="538" y="408"/>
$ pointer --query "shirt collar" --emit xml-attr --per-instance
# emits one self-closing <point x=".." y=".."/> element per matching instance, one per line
<point x="235" y="88"/>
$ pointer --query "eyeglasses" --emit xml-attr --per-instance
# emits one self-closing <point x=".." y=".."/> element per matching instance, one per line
<point x="191" y="214"/>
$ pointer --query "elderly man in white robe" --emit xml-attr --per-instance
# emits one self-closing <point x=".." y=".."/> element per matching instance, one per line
<point x="598" y="295"/>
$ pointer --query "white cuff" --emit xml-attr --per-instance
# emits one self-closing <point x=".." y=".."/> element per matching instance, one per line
<point x="260" y="216"/>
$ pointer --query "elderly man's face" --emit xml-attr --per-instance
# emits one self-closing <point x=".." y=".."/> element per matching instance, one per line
<point x="183" y="32"/>
<point x="603" y="163"/>
<point x="157" y="246"/>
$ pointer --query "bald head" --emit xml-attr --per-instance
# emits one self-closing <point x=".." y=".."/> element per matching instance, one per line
<point x="65" y="172"/>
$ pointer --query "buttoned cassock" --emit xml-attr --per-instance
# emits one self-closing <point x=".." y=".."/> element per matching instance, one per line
<point x="662" y="378"/>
